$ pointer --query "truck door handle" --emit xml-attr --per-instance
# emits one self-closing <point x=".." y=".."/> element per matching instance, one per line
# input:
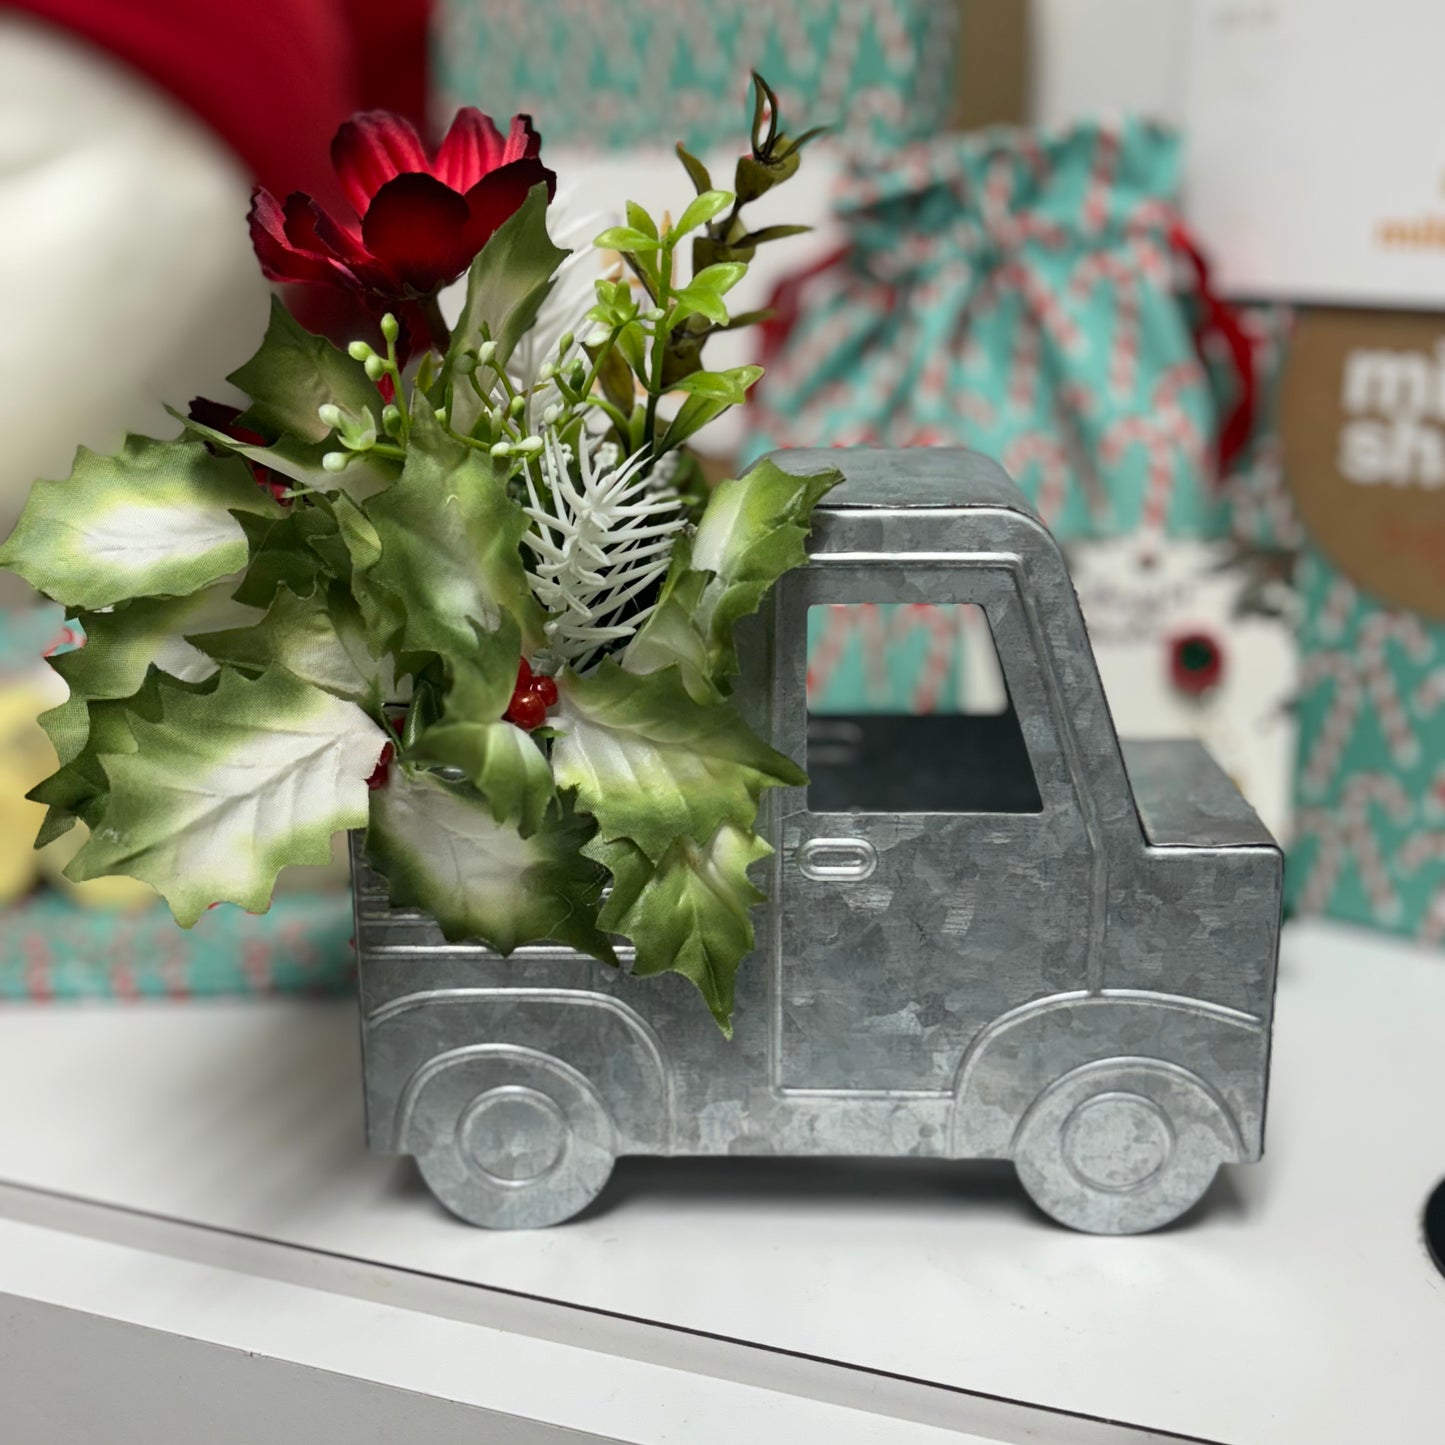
<point x="837" y="859"/>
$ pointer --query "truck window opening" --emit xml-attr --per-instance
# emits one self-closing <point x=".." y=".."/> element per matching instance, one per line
<point x="908" y="712"/>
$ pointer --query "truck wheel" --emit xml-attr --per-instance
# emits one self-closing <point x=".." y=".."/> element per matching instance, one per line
<point x="509" y="1137"/>
<point x="1123" y="1145"/>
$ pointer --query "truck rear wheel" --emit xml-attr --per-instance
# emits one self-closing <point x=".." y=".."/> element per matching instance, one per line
<point x="1123" y="1145"/>
<point x="509" y="1137"/>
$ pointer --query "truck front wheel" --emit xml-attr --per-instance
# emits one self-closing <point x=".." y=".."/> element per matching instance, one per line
<point x="1123" y="1145"/>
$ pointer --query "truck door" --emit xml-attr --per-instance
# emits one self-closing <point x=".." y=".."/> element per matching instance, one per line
<point x="938" y="869"/>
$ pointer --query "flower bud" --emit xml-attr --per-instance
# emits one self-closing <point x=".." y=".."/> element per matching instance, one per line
<point x="551" y="414"/>
<point x="529" y="446"/>
<point x="654" y="313"/>
<point x="330" y="414"/>
<point x="502" y="449"/>
<point x="360" y="351"/>
<point x="375" y="367"/>
<point x="485" y="352"/>
<point x="465" y="364"/>
<point x="335" y="461"/>
<point x="565" y="344"/>
<point x="598" y="337"/>
<point x="517" y="406"/>
<point x="391" y="419"/>
<point x="389" y="327"/>
<point x="546" y="372"/>
<point x="440" y="413"/>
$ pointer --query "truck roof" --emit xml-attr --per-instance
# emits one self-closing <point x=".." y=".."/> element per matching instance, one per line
<point x="936" y="477"/>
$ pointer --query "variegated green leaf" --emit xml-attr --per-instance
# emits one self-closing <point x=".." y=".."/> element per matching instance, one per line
<point x="441" y="849"/>
<point x="151" y="631"/>
<point x="503" y="762"/>
<point x="300" y="462"/>
<point x="228" y="786"/>
<point x="153" y="520"/>
<point x="320" y="637"/>
<point x="294" y="374"/>
<point x="691" y="913"/>
<point x="752" y="530"/>
<point x="449" y="538"/>
<point x="651" y="764"/>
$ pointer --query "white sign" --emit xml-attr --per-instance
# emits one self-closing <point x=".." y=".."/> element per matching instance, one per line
<point x="1315" y="146"/>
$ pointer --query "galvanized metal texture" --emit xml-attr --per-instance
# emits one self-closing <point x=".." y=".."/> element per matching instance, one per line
<point x="1077" y="975"/>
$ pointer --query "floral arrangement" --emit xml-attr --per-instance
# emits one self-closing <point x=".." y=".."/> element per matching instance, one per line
<point x="462" y="586"/>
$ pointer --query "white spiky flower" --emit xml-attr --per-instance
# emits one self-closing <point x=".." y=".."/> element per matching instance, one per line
<point x="602" y="539"/>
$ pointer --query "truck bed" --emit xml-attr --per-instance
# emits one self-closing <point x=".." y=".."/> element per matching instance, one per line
<point x="1186" y="800"/>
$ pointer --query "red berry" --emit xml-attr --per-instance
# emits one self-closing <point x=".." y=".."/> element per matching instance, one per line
<point x="524" y="675"/>
<point x="546" y="689"/>
<point x="528" y="711"/>
<point x="382" y="771"/>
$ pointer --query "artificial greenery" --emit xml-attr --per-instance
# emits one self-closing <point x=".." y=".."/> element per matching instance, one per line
<point x="471" y="596"/>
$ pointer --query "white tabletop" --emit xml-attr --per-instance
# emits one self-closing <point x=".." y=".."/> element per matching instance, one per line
<point x="1296" y="1305"/>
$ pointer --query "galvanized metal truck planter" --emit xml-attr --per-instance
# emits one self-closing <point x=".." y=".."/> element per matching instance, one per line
<point x="1003" y="937"/>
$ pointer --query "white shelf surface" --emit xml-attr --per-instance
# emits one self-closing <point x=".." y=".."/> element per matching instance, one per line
<point x="1295" y="1306"/>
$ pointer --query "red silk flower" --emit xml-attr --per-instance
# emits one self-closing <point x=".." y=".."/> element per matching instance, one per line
<point x="423" y="217"/>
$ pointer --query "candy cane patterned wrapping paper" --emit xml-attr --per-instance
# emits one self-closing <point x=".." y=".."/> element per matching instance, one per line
<point x="605" y="75"/>
<point x="1370" y="788"/>
<point x="1012" y="291"/>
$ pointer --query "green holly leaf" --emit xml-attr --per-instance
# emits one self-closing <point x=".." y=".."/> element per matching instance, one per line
<point x="83" y="730"/>
<point x="506" y="766"/>
<point x="653" y="765"/>
<point x="153" y="520"/>
<point x="753" y="529"/>
<point x="442" y="850"/>
<point x="227" y="786"/>
<point x="301" y="462"/>
<point x="294" y="373"/>
<point x="282" y="553"/>
<point x="691" y="913"/>
<point x="123" y="644"/>
<point x="320" y="637"/>
<point x="449" y="537"/>
<point x="508" y="281"/>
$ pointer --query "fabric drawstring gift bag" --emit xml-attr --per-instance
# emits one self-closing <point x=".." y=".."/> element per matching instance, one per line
<point x="1032" y="295"/>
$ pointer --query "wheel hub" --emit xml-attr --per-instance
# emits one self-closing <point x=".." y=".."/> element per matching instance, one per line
<point x="1117" y="1141"/>
<point x="513" y="1134"/>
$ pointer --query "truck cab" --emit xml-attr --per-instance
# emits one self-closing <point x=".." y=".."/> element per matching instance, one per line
<point x="999" y="936"/>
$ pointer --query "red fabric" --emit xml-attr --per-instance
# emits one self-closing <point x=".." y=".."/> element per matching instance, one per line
<point x="273" y="78"/>
<point x="1219" y="318"/>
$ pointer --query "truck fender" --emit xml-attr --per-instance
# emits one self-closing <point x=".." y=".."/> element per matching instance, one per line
<point x="1025" y="1051"/>
<point x="592" y="1035"/>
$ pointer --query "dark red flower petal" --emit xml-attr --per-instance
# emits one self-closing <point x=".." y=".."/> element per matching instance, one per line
<point x="473" y="146"/>
<point x="523" y="143"/>
<point x="281" y="258"/>
<point x="367" y="272"/>
<point x="496" y="197"/>
<point x="417" y="228"/>
<point x="372" y="148"/>
<point x="218" y="415"/>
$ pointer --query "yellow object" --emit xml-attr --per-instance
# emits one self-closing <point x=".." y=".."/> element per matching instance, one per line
<point x="25" y="758"/>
